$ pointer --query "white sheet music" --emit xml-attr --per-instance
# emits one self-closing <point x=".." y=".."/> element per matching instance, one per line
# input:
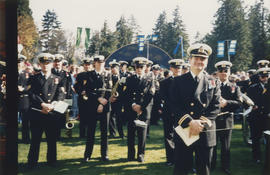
<point x="267" y="132"/>
<point x="60" y="106"/>
<point x="184" y="134"/>
<point x="140" y="123"/>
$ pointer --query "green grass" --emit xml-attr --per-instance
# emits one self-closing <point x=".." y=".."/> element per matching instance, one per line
<point x="70" y="153"/>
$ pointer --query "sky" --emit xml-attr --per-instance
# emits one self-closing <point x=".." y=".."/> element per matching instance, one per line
<point x="197" y="15"/>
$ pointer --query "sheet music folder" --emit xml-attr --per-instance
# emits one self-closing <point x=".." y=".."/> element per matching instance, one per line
<point x="60" y="106"/>
<point x="184" y="134"/>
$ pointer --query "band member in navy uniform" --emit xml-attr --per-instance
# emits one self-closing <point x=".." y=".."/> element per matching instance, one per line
<point x="115" y="122"/>
<point x="123" y="73"/>
<point x="98" y="92"/>
<point x="167" y="117"/>
<point x="155" y="114"/>
<point x="266" y="168"/>
<point x="123" y="69"/>
<point x="230" y="101"/>
<point x="58" y="71"/>
<point x="150" y="77"/>
<point x="138" y="94"/>
<point x="244" y="85"/>
<point x="24" y="102"/>
<point x="44" y="88"/>
<point x="261" y="64"/>
<point x="257" y="93"/>
<point x="80" y="88"/>
<point x="185" y="68"/>
<point x="68" y="85"/>
<point x="195" y="100"/>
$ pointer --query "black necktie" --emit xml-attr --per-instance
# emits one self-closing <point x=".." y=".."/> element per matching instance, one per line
<point x="196" y="79"/>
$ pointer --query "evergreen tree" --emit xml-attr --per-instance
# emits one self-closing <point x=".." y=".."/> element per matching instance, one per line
<point x="95" y="44"/>
<point x="178" y="29"/>
<point x="230" y="24"/>
<point x="169" y="33"/>
<point x="50" y="31"/>
<point x="136" y="29"/>
<point x="23" y="8"/>
<point x="108" y="41"/>
<point x="124" y="32"/>
<point x="161" y="30"/>
<point x="257" y="22"/>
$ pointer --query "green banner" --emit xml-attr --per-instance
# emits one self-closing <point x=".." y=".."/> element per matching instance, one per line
<point x="79" y="32"/>
<point x="87" y="37"/>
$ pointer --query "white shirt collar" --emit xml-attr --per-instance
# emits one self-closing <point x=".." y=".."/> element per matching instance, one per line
<point x="46" y="76"/>
<point x="262" y="85"/>
<point x="199" y="76"/>
<point x="98" y="72"/>
<point x="225" y="82"/>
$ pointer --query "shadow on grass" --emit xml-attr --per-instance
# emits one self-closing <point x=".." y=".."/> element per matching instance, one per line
<point x="96" y="167"/>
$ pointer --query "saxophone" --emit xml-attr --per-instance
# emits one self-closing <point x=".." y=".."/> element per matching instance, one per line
<point x="114" y="92"/>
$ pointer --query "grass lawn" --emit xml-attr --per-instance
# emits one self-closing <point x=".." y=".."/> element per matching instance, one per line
<point x="70" y="153"/>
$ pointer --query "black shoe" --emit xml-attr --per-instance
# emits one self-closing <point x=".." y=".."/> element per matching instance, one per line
<point x="52" y="164"/>
<point x="169" y="163"/>
<point x="112" y="137"/>
<point x="105" y="159"/>
<point x="140" y="159"/>
<point x="86" y="159"/>
<point x="25" y="141"/>
<point x="258" y="161"/>
<point x="227" y="171"/>
<point x="193" y="171"/>
<point x="31" y="166"/>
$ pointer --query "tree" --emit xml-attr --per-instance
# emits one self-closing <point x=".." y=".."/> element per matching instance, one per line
<point x="108" y="42"/>
<point x="70" y="49"/>
<point x="50" y="31"/>
<point x="161" y="30"/>
<point x="95" y="44"/>
<point x="178" y="29"/>
<point x="169" y="32"/>
<point x="230" y="24"/>
<point x="23" y="8"/>
<point x="28" y="35"/>
<point x="257" y="22"/>
<point x="58" y="42"/>
<point x="27" y="31"/>
<point x="136" y="29"/>
<point x="124" y="32"/>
